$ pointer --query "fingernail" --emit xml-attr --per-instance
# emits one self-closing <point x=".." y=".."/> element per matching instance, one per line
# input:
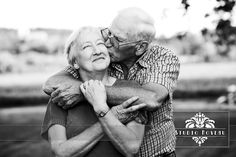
<point x="136" y="97"/>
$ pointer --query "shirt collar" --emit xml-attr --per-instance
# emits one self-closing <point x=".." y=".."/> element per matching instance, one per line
<point x="116" y="66"/>
<point x="142" y="61"/>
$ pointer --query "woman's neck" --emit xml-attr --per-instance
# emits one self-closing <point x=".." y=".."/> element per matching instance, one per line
<point x="98" y="75"/>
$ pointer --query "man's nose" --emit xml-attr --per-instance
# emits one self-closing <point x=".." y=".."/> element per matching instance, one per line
<point x="108" y="43"/>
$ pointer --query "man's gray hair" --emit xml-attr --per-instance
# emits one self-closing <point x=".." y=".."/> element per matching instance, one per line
<point x="142" y="24"/>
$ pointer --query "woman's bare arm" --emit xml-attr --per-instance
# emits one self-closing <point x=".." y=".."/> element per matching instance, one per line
<point x="78" y="145"/>
<point x="126" y="138"/>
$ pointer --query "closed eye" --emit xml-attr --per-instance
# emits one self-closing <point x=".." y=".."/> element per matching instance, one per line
<point x="101" y="43"/>
<point x="86" y="46"/>
<point x="119" y="39"/>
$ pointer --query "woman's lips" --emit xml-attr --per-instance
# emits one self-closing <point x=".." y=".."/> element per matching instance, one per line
<point x="99" y="58"/>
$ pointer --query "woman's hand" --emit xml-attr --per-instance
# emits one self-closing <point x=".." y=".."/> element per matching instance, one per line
<point x="94" y="91"/>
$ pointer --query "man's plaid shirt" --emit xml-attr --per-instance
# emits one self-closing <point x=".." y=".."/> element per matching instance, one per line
<point x="161" y="66"/>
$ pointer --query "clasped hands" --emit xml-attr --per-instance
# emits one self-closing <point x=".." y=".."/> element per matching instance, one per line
<point x="95" y="93"/>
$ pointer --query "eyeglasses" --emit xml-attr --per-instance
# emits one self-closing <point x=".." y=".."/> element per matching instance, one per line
<point x="114" y="40"/>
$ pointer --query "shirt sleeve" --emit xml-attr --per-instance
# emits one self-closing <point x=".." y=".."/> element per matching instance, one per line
<point x="71" y="70"/>
<point x="164" y="71"/>
<point x="54" y="115"/>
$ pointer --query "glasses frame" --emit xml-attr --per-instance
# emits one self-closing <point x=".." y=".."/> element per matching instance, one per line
<point x="113" y="39"/>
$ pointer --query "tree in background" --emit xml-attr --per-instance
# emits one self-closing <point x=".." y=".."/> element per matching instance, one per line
<point x="224" y="35"/>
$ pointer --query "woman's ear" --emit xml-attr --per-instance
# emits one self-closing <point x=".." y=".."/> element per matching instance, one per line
<point x="76" y="66"/>
<point x="141" y="48"/>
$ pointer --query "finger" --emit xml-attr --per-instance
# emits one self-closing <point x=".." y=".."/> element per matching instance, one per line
<point x="135" y="108"/>
<point x="82" y="88"/>
<point x="55" y="93"/>
<point x="55" y="87"/>
<point x="100" y="83"/>
<point x="49" y="90"/>
<point x="90" y="82"/>
<point x="70" y="102"/>
<point x="56" y="99"/>
<point x="86" y="83"/>
<point x="65" y="107"/>
<point x="59" y="104"/>
<point x="67" y="104"/>
<point x="130" y="101"/>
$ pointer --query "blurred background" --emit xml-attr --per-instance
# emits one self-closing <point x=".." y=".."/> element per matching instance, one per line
<point x="33" y="32"/>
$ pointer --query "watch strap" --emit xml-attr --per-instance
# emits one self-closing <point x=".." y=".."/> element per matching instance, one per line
<point x="102" y="113"/>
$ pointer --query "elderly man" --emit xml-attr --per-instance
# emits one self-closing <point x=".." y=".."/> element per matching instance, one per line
<point x="135" y="56"/>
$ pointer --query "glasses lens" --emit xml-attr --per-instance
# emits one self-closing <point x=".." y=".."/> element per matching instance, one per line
<point x="105" y="34"/>
<point x="114" y="42"/>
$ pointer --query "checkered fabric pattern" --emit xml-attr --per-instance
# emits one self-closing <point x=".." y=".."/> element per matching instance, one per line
<point x="157" y="65"/>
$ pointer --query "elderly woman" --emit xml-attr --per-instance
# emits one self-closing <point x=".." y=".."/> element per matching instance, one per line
<point x="91" y="128"/>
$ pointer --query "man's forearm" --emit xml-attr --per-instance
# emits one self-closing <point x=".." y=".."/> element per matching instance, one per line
<point x="64" y="89"/>
<point x="59" y="78"/>
<point x="119" y="94"/>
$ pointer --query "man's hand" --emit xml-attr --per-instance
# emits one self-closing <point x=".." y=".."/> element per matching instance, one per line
<point x="151" y="104"/>
<point x="66" y="95"/>
<point x="125" y="111"/>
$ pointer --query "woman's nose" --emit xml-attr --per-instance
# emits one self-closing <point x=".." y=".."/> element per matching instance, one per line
<point x="96" y="50"/>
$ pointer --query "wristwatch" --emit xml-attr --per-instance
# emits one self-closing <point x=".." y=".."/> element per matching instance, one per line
<point x="102" y="113"/>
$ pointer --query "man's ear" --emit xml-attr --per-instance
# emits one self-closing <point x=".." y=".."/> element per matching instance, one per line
<point x="141" y="48"/>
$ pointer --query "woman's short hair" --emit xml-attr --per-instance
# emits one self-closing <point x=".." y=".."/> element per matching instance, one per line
<point x="73" y="43"/>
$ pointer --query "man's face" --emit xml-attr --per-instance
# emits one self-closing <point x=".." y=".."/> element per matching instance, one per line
<point x="117" y="47"/>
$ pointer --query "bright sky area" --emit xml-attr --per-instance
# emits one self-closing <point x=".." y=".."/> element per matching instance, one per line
<point x="71" y="14"/>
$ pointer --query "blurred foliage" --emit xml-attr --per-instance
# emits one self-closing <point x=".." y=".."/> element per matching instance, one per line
<point x="32" y="50"/>
<point x="42" y="48"/>
<point x="39" y="40"/>
<point x="31" y="61"/>
<point x="224" y="34"/>
<point x="9" y="40"/>
<point x="193" y="48"/>
<point x="25" y="50"/>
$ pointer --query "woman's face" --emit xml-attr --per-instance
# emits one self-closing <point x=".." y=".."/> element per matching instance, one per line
<point x="91" y="53"/>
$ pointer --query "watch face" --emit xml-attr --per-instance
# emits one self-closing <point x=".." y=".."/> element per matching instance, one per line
<point x="102" y="113"/>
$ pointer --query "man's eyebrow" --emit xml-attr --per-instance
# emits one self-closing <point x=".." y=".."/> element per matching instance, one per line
<point x="116" y="34"/>
<point x="119" y="36"/>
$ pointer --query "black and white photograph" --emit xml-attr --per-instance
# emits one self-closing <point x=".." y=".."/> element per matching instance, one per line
<point x="117" y="78"/>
